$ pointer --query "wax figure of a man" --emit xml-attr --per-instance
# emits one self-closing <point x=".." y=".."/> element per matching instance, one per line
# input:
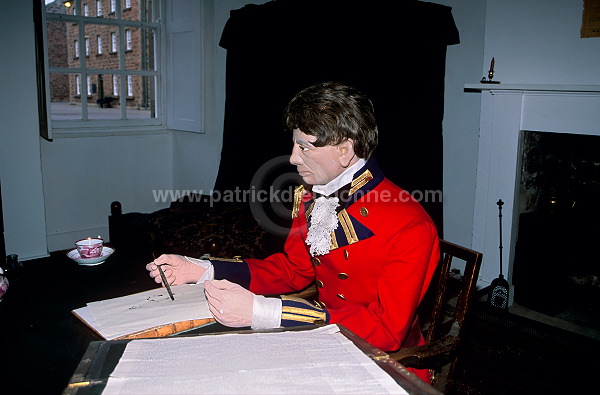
<point x="370" y="247"/>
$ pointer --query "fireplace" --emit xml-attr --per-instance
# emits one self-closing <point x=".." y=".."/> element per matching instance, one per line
<point x="556" y="270"/>
<point x="508" y="114"/>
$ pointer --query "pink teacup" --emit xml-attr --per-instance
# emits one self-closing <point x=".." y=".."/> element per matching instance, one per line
<point x="90" y="247"/>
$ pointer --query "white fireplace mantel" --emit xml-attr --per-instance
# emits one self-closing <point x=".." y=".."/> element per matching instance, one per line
<point x="506" y="111"/>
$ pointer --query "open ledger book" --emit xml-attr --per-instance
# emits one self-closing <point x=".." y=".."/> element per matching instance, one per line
<point x="148" y="314"/>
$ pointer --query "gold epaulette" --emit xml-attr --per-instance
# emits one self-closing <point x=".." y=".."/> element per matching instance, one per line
<point x="298" y="193"/>
<point x="360" y="181"/>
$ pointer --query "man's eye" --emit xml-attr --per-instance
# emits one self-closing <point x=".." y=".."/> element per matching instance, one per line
<point x="302" y="148"/>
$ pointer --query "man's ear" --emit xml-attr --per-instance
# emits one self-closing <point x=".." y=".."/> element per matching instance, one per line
<point x="346" y="150"/>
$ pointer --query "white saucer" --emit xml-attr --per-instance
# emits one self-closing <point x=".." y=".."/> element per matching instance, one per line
<point x="106" y="252"/>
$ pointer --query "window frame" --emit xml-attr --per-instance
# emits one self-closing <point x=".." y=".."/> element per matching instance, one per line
<point x="184" y="97"/>
<point x="84" y="125"/>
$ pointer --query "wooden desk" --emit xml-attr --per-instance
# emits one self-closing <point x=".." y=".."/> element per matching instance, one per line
<point x="42" y="341"/>
<point x="101" y="358"/>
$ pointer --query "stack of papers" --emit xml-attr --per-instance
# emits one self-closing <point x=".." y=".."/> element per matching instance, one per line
<point x="118" y="317"/>
<point x="319" y="361"/>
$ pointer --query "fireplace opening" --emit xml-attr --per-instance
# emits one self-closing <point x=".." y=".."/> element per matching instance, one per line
<point x="556" y="267"/>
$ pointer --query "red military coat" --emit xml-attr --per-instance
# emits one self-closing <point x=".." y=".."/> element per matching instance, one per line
<point x="383" y="256"/>
<point x="385" y="251"/>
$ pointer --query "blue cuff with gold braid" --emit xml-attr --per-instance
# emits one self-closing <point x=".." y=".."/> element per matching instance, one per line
<point x="297" y="312"/>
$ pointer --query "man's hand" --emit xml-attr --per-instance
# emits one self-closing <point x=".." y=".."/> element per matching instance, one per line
<point x="177" y="269"/>
<point x="229" y="303"/>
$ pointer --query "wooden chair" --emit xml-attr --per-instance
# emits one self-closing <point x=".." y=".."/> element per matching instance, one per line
<point x="443" y="313"/>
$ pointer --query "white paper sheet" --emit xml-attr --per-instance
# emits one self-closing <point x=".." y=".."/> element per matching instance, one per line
<point x="320" y="361"/>
<point x="116" y="317"/>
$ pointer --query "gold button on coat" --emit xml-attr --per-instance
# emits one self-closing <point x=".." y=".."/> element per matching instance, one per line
<point x="319" y="283"/>
<point x="316" y="261"/>
<point x="343" y="276"/>
<point x="346" y="254"/>
<point x="364" y="212"/>
<point x="341" y="296"/>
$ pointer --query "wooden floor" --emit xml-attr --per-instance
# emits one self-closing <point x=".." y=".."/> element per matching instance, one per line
<point x="506" y="353"/>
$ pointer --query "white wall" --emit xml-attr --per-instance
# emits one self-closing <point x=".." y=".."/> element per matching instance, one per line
<point x="83" y="175"/>
<point x="538" y="42"/>
<point x="461" y="119"/>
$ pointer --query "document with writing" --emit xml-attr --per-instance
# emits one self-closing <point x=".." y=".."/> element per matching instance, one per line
<point x="113" y="318"/>
<point x="319" y="361"/>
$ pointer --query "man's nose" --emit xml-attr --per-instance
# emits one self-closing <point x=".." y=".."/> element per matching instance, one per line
<point x="295" y="157"/>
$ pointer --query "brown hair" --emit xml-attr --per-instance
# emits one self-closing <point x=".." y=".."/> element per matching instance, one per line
<point x="334" y="112"/>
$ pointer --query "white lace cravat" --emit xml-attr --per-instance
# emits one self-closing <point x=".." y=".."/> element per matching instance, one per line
<point x="323" y="221"/>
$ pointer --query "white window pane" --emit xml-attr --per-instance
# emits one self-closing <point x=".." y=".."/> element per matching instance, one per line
<point x="140" y="54"/>
<point x="113" y="42"/>
<point x="111" y="60"/>
<point x="141" y="103"/>
<point x="78" y="84"/>
<point x="115" y="85"/>
<point x="64" y="96"/>
<point x="128" y="44"/>
<point x="89" y="85"/>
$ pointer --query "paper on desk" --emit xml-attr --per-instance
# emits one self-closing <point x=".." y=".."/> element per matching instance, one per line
<point x="320" y="361"/>
<point x="117" y="317"/>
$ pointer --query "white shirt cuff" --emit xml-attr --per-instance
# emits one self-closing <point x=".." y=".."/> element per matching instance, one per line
<point x="266" y="312"/>
<point x="209" y="274"/>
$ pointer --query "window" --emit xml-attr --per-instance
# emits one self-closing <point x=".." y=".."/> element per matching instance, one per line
<point x="113" y="42"/>
<point x="115" y="82"/>
<point x="98" y="8"/>
<point x="148" y="92"/>
<point x="128" y="44"/>
<point x="77" y="84"/>
<point x="138" y="67"/>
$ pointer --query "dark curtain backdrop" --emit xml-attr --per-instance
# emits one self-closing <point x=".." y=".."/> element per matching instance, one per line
<point x="392" y="51"/>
